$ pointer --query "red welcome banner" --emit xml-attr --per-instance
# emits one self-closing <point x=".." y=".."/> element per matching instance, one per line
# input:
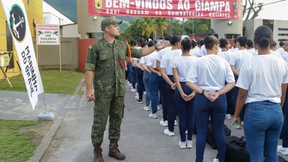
<point x="206" y="9"/>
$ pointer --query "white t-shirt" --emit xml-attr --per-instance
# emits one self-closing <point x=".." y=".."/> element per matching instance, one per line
<point x="276" y="53"/>
<point x="262" y="76"/>
<point x="144" y="60"/>
<point x="225" y="55"/>
<point x="285" y="57"/>
<point x="168" y="59"/>
<point x="182" y="64"/>
<point x="281" y="51"/>
<point x="162" y="52"/>
<point x="210" y="73"/>
<point x="234" y="49"/>
<point x="253" y="51"/>
<point x="195" y="52"/>
<point x="152" y="60"/>
<point x="202" y="51"/>
<point x="239" y="57"/>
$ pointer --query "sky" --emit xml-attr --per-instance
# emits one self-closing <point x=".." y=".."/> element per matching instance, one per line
<point x="273" y="11"/>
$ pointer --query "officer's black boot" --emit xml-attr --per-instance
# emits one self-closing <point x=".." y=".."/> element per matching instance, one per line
<point x="98" y="153"/>
<point x="114" y="151"/>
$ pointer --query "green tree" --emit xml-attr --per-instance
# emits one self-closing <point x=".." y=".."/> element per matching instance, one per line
<point x="161" y="25"/>
<point x="200" y="25"/>
<point x="147" y="26"/>
<point x="132" y="32"/>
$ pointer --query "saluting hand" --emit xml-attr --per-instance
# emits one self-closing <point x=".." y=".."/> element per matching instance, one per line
<point x="162" y="44"/>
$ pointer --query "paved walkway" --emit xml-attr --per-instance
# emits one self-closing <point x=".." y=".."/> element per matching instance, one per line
<point x="142" y="138"/>
<point x="16" y="105"/>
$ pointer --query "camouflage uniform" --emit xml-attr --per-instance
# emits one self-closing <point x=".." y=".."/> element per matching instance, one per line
<point x="109" y="86"/>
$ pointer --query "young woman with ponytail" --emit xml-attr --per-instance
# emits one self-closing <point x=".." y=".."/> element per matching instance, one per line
<point x="262" y="86"/>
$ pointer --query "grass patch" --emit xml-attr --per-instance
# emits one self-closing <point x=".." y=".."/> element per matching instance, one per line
<point x="15" y="146"/>
<point x="54" y="81"/>
<point x="80" y="93"/>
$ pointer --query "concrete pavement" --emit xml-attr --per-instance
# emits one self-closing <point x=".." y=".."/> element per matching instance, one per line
<point x="142" y="138"/>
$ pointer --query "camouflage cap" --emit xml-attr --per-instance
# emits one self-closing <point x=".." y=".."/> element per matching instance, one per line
<point x="108" y="21"/>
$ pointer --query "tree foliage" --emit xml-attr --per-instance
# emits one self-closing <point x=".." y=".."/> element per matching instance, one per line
<point x="250" y="7"/>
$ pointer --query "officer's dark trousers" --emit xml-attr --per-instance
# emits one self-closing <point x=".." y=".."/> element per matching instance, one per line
<point x="140" y="84"/>
<point x="171" y="104"/>
<point x="104" y="106"/>
<point x="202" y="109"/>
<point x="163" y="99"/>
<point x="154" y="85"/>
<point x="185" y="112"/>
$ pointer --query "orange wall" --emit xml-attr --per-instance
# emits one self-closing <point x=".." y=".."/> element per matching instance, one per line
<point x="83" y="46"/>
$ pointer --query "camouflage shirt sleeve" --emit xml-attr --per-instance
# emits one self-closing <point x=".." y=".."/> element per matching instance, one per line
<point x="91" y="59"/>
<point x="137" y="53"/>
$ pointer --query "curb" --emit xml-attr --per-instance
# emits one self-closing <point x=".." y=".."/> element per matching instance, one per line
<point x="45" y="143"/>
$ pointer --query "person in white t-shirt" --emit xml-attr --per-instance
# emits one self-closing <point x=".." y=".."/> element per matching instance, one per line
<point x="238" y="58"/>
<point x="262" y="82"/>
<point x="207" y="76"/>
<point x="184" y="96"/>
<point x="161" y="53"/>
<point x="283" y="149"/>
<point x="273" y="50"/>
<point x="280" y="49"/>
<point x="146" y="75"/>
<point x="194" y="51"/>
<point x="154" y="84"/>
<point x="235" y="47"/>
<point x="227" y="54"/>
<point x="167" y="74"/>
<point x="250" y="47"/>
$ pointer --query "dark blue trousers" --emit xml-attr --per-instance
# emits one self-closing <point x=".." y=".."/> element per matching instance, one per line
<point x="140" y="84"/>
<point x="171" y="104"/>
<point x="202" y="109"/>
<point x="154" y="85"/>
<point x="164" y="100"/>
<point x="285" y="131"/>
<point x="185" y="113"/>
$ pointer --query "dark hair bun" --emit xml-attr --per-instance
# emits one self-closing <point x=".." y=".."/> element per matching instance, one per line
<point x="208" y="40"/>
<point x="264" y="42"/>
<point x="223" y="42"/>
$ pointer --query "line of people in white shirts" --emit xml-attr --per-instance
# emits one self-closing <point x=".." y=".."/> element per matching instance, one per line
<point x="193" y="80"/>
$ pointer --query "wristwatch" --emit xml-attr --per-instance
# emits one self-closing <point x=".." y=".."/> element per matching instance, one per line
<point x="171" y="83"/>
<point x="202" y="92"/>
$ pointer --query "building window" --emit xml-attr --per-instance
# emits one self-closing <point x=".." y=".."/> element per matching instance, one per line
<point x="231" y="36"/>
<point x="28" y="2"/>
<point x="269" y="23"/>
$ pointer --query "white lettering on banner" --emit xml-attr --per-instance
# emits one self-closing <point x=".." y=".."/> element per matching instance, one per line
<point x="155" y="4"/>
<point x="180" y="5"/>
<point x="115" y="4"/>
<point x="148" y="4"/>
<point x="169" y="5"/>
<point x="212" y="6"/>
<point x="108" y="3"/>
<point x="124" y="4"/>
<point x="162" y="4"/>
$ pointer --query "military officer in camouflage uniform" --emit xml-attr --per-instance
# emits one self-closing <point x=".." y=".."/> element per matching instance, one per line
<point x="105" y="67"/>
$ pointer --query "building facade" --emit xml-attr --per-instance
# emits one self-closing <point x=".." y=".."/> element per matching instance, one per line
<point x="279" y="28"/>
